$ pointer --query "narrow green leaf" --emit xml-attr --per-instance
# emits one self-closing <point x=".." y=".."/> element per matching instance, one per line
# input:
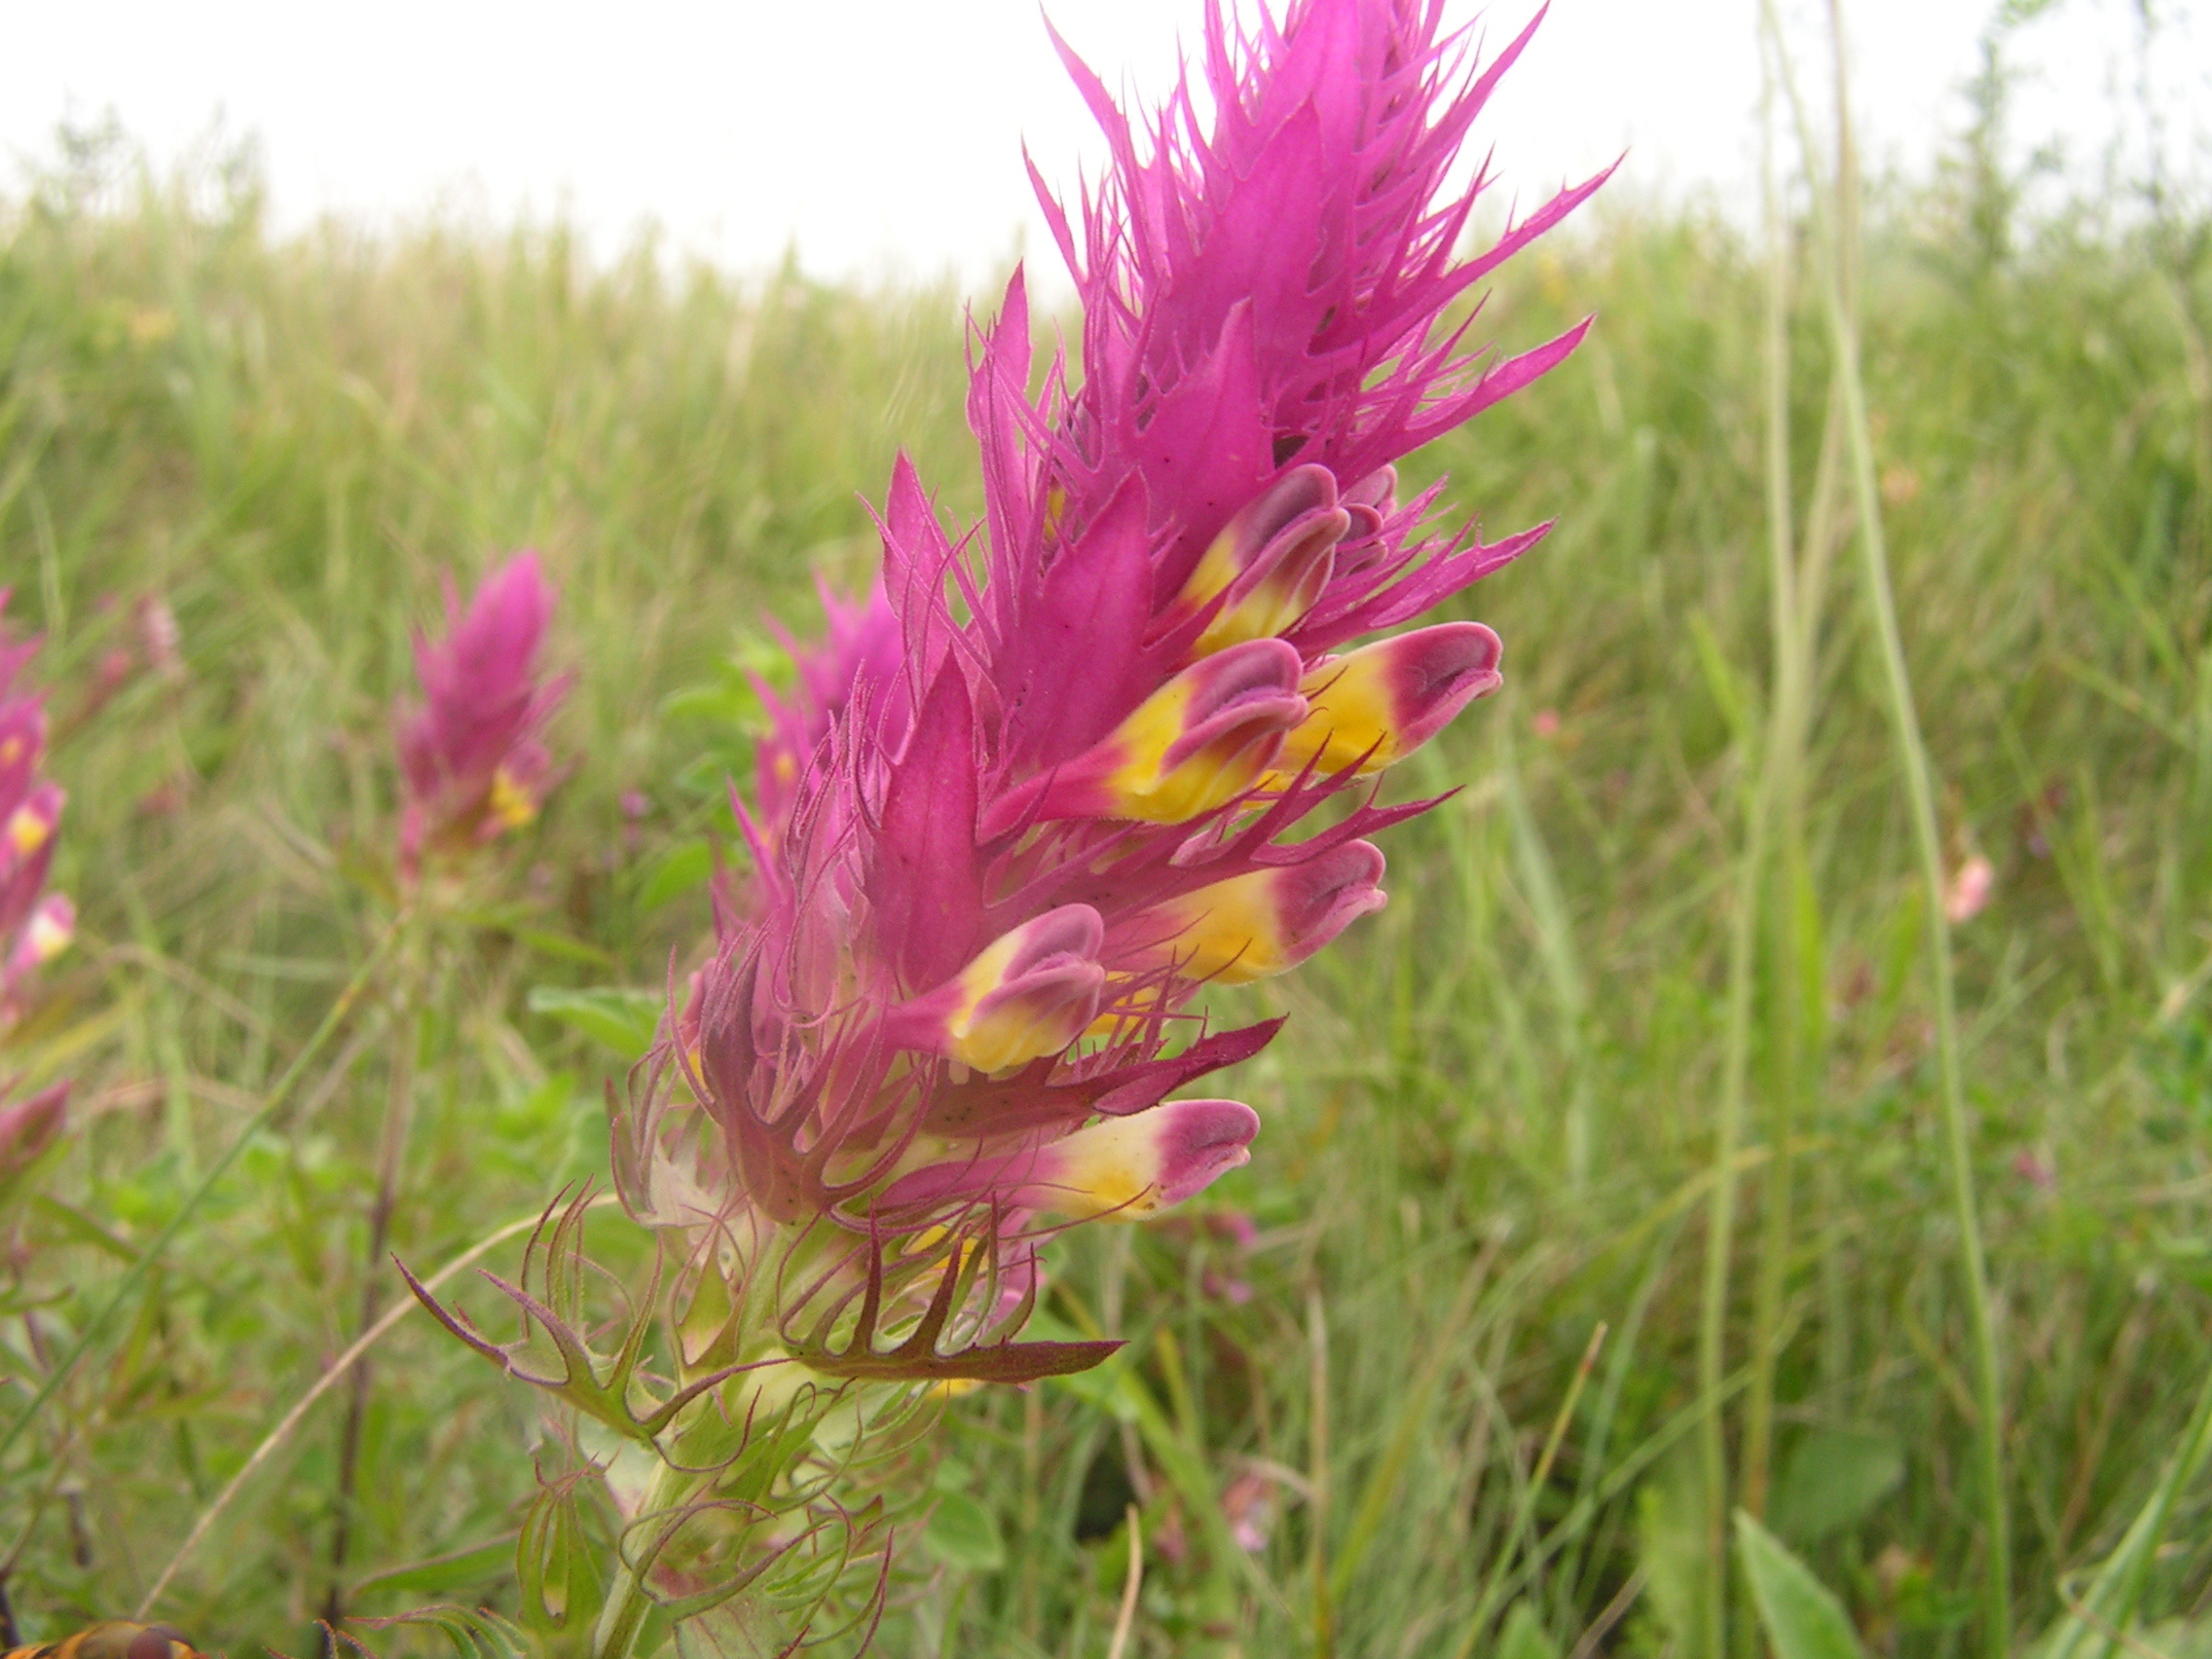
<point x="622" y="1019"/>
<point x="679" y="870"/>
<point x="1832" y="1480"/>
<point x="477" y="1565"/>
<point x="961" y="1533"/>
<point x="1803" y="1620"/>
<point x="1525" y="1636"/>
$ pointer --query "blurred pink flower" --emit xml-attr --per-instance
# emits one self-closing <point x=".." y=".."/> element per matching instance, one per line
<point x="469" y="756"/>
<point x="1249" y="1503"/>
<point x="1546" y="722"/>
<point x="158" y="638"/>
<point x="35" y="926"/>
<point x="1969" y="892"/>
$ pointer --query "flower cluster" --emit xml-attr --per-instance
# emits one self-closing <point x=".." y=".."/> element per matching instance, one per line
<point x="35" y="926"/>
<point x="469" y="756"/>
<point x="1060" y="776"/>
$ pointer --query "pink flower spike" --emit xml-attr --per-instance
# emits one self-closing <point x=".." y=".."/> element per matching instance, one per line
<point x="469" y="757"/>
<point x="159" y="640"/>
<point x="859" y="650"/>
<point x="1249" y="1503"/>
<point x="1073" y="768"/>
<point x="35" y="926"/>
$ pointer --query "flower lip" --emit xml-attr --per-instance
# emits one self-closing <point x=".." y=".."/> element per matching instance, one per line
<point x="1266" y="569"/>
<point x="1377" y="705"/>
<point x="1028" y="993"/>
<point x="1205" y="1140"/>
<point x="1256" y="925"/>
<point x="1252" y="693"/>
<point x="1194" y="745"/>
<point x="1117" y="1167"/>
<point x="1325" y="895"/>
<point x="1284" y="581"/>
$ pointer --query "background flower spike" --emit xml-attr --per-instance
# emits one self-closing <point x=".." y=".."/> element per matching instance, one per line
<point x="470" y="758"/>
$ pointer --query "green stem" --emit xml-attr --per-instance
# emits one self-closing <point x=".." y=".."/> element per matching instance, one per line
<point x="1958" y="1152"/>
<point x="628" y="1601"/>
<point x="1793" y="621"/>
<point x="135" y="1274"/>
<point x="1720" y="1226"/>
<point x="1912" y="756"/>
<point x="398" y="1118"/>
<point x="2118" y="1586"/>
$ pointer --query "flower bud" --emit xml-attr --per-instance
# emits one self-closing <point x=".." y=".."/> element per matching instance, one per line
<point x="1255" y="926"/>
<point x="31" y="826"/>
<point x="1124" y="1167"/>
<point x="1197" y="744"/>
<point x="1132" y="1167"/>
<point x="1028" y="993"/>
<point x="28" y="1127"/>
<point x="1377" y="705"/>
<point x="46" y="936"/>
<point x="1269" y="566"/>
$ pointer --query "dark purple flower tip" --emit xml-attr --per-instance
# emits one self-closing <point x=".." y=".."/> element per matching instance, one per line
<point x="1269" y="567"/>
<point x="1194" y="746"/>
<point x="1252" y="927"/>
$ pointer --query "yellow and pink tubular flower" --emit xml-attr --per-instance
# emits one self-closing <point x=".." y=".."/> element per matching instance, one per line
<point x="1196" y="745"/>
<point x="1256" y="926"/>
<point x="1269" y="566"/>
<point x="1030" y="993"/>
<point x="1124" y="1167"/>
<point x="1373" y="707"/>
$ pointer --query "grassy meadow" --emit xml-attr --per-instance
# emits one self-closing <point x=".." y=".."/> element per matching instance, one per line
<point x="1451" y="1391"/>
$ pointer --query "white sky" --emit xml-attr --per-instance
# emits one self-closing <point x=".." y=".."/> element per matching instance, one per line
<point x="884" y="136"/>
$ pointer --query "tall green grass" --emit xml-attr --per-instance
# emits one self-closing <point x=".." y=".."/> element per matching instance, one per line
<point x="1491" y="1125"/>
